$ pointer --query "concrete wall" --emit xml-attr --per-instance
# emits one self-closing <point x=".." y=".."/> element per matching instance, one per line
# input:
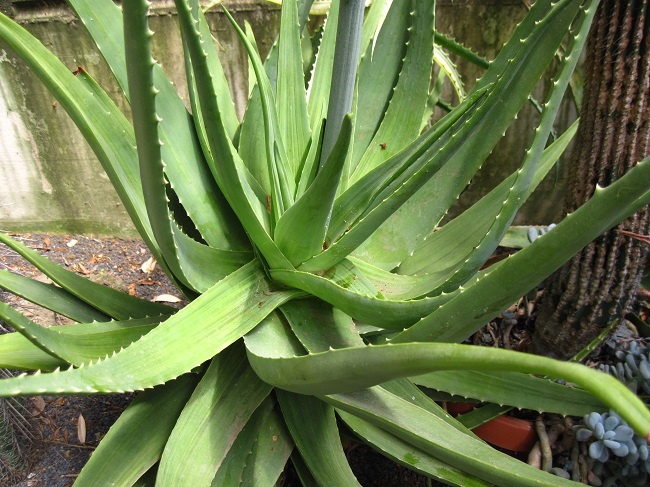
<point x="51" y="181"/>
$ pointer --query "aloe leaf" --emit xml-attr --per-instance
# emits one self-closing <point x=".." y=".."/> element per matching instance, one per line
<point x="136" y="440"/>
<point x="442" y="59"/>
<point x="51" y="297"/>
<point x="260" y="451"/>
<point x="344" y="71"/>
<point x="331" y="372"/>
<point x="436" y="255"/>
<point x="193" y="182"/>
<point x="196" y="265"/>
<point x="281" y="170"/>
<point x="291" y="100"/>
<point x="195" y="334"/>
<point x="252" y="143"/>
<point x="139" y="63"/>
<point x="434" y="99"/>
<point x="345" y="287"/>
<point x="310" y="165"/>
<point x="109" y="301"/>
<point x="433" y="435"/>
<point x="512" y="76"/>
<point x="524" y="183"/>
<point x="375" y="86"/>
<point x="17" y="352"/>
<point x="308" y="418"/>
<point x="455" y="47"/>
<point x="374" y="21"/>
<point x="406" y="454"/>
<point x="371" y="200"/>
<point x="222" y="403"/>
<point x="310" y="215"/>
<point x="400" y="123"/>
<point x="514" y="389"/>
<point x="321" y="79"/>
<point x="518" y="274"/>
<point x="202" y="265"/>
<point x="270" y="453"/>
<point x="228" y="111"/>
<point x="229" y="172"/>
<point x="319" y="326"/>
<point x="75" y="349"/>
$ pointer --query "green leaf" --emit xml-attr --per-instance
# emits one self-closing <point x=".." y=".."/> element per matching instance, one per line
<point x="310" y="215"/>
<point x="139" y="63"/>
<point x="514" y="389"/>
<point x="17" y="352"/>
<point x="433" y="435"/>
<point x="51" y="297"/>
<point x="510" y="79"/>
<point x="193" y="182"/>
<point x="281" y="171"/>
<point x="195" y="334"/>
<point x="372" y="199"/>
<point x="109" y="301"/>
<point x="446" y="250"/>
<point x="136" y="440"/>
<point x="291" y="100"/>
<point x="499" y="288"/>
<point x="406" y="454"/>
<point x="382" y="57"/>
<point x="230" y="173"/>
<point x="78" y="348"/>
<point x="400" y="123"/>
<point x="321" y="79"/>
<point x="333" y="372"/>
<point x="345" y="287"/>
<point x="308" y="418"/>
<point x="220" y="406"/>
<point x="260" y="451"/>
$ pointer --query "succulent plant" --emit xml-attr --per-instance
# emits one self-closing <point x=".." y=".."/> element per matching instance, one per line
<point x="632" y="367"/>
<point x="305" y="238"/>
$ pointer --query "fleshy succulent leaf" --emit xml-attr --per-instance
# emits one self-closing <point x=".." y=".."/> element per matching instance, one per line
<point x="195" y="334"/>
<point x="220" y="406"/>
<point x="51" y="297"/>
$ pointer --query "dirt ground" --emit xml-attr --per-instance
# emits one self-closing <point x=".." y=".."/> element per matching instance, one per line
<point x="56" y="455"/>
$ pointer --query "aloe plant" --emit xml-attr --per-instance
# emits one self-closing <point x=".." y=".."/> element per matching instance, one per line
<point x="320" y="285"/>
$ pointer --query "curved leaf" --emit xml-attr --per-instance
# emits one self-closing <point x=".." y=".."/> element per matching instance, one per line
<point x="195" y="334"/>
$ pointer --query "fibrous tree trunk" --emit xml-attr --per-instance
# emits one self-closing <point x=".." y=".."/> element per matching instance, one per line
<point x="600" y="283"/>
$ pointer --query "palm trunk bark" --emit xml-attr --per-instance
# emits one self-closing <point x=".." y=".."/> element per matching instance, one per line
<point x="600" y="283"/>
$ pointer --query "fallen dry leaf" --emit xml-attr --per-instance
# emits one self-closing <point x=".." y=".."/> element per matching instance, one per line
<point x="148" y="266"/>
<point x="166" y="298"/>
<point x="46" y="241"/>
<point x="39" y="405"/>
<point x="81" y="429"/>
<point x="72" y="243"/>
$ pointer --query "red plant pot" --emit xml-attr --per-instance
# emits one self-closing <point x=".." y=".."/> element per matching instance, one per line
<point x="508" y="433"/>
<point x="511" y="435"/>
